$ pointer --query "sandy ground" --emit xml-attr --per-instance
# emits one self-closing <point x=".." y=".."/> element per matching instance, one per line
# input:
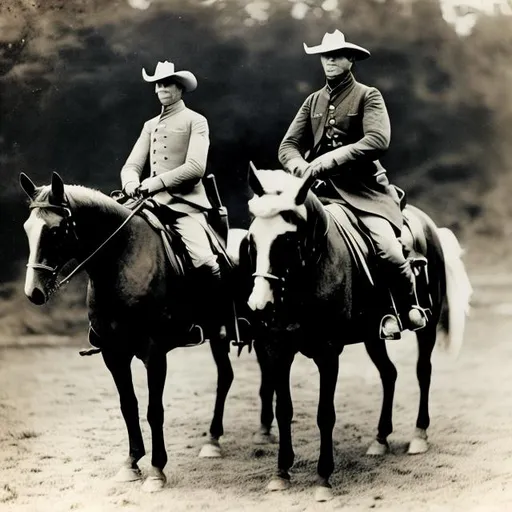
<point x="62" y="437"/>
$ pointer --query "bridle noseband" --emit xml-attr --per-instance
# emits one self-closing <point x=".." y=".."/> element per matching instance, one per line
<point x="270" y="277"/>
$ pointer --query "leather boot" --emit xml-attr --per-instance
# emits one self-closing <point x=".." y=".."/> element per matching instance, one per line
<point x="217" y="302"/>
<point x="403" y="285"/>
<point x="416" y="316"/>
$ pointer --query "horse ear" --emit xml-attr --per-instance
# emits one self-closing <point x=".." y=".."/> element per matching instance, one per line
<point x="254" y="182"/>
<point x="308" y="181"/>
<point x="57" y="188"/>
<point x="28" y="186"/>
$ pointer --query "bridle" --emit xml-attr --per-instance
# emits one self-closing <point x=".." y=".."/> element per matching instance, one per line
<point x="270" y="277"/>
<point x="308" y="256"/>
<point x="70" y="228"/>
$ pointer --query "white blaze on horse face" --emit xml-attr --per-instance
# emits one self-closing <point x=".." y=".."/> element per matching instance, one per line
<point x="264" y="232"/>
<point x="33" y="228"/>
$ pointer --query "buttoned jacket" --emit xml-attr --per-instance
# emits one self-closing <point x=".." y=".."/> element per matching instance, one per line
<point x="360" y="133"/>
<point x="177" y="143"/>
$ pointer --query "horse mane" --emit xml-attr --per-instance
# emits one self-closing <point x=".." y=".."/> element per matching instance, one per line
<point x="84" y="197"/>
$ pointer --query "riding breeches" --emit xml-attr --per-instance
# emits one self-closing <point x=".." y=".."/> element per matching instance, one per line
<point x="388" y="247"/>
<point x="191" y="227"/>
<point x="390" y="251"/>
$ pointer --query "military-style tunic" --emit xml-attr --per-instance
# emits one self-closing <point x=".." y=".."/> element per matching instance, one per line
<point x="351" y="123"/>
<point x="177" y="143"/>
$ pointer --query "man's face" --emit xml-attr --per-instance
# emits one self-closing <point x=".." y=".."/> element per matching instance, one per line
<point x="335" y="63"/>
<point x="168" y="91"/>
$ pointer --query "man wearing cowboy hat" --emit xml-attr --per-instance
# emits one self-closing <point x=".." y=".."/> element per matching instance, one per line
<point x="176" y="142"/>
<point x="338" y="134"/>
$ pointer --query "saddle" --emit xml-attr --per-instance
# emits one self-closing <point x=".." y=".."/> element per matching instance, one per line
<point x="161" y="218"/>
<point x="364" y="255"/>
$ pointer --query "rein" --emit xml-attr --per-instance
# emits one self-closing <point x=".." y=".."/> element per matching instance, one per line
<point x="67" y="215"/>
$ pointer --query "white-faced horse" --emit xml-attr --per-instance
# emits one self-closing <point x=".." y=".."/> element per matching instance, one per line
<point x="306" y="290"/>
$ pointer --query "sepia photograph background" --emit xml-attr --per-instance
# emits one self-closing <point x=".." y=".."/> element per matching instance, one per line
<point x="72" y="100"/>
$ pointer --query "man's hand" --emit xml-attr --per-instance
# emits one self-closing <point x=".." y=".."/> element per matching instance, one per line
<point x="151" y="186"/>
<point x="297" y="166"/>
<point x="131" y="188"/>
<point x="300" y="169"/>
<point x="321" y="165"/>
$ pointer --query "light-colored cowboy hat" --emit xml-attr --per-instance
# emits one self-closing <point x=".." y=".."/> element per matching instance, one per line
<point x="166" y="70"/>
<point x="334" y="42"/>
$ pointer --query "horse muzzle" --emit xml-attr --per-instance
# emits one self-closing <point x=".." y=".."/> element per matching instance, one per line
<point x="261" y="296"/>
<point x="37" y="287"/>
<point x="36" y="296"/>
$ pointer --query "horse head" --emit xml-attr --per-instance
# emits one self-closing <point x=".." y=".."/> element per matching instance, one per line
<point x="51" y="236"/>
<point x="277" y="234"/>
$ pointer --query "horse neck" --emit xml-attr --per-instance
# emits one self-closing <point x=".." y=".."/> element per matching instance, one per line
<point x="333" y="263"/>
<point x="97" y="217"/>
<point x="317" y="222"/>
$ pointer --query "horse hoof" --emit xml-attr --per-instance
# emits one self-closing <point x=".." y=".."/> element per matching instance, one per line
<point x="419" y="442"/>
<point x="323" y="493"/>
<point x="278" y="484"/>
<point x="418" y="445"/>
<point x="264" y="438"/>
<point x="154" y="483"/>
<point x="210" y="451"/>
<point x="377" y="449"/>
<point x="126" y="474"/>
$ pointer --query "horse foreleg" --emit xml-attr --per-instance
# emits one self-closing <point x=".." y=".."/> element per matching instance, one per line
<point x="328" y="366"/>
<point x="264" y="436"/>
<point x="280" y="367"/>
<point x="220" y="352"/>
<point x="156" y="367"/>
<point x="119" y="366"/>
<point x="379" y="355"/>
<point x="426" y="341"/>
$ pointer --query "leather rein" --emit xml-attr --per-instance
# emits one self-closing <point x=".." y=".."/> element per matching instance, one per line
<point x="65" y="211"/>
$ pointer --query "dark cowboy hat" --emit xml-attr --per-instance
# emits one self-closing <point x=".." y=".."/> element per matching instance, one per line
<point x="166" y="70"/>
<point x="335" y="42"/>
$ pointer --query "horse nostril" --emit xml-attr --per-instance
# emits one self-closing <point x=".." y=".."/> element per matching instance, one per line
<point x="37" y="297"/>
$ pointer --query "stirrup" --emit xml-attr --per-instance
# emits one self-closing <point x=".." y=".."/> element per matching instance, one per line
<point x="417" y="318"/>
<point x="90" y="351"/>
<point x="190" y="333"/>
<point x="390" y="328"/>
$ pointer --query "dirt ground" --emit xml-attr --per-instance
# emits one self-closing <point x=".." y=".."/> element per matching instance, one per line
<point x="62" y="437"/>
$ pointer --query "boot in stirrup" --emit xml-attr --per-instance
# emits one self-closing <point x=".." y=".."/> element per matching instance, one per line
<point x="417" y="316"/>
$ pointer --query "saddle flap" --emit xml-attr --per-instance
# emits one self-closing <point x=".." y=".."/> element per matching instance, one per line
<point x="357" y="241"/>
<point x="173" y="245"/>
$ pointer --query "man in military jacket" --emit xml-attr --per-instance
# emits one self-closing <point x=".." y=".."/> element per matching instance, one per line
<point x="176" y="142"/>
<point x="338" y="134"/>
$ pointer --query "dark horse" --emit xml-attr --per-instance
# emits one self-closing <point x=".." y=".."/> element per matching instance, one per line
<point x="306" y="290"/>
<point x="134" y="299"/>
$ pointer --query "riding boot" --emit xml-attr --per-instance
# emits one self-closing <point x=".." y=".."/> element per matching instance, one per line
<point x="411" y="314"/>
<point x="416" y="316"/>
<point x="217" y="300"/>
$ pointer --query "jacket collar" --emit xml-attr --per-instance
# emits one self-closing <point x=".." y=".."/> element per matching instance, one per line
<point x="170" y="110"/>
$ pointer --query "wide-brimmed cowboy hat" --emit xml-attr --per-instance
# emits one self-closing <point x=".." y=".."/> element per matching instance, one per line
<point x="335" y="42"/>
<point x="166" y="70"/>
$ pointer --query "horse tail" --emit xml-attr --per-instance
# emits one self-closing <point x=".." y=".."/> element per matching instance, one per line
<point x="458" y="293"/>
